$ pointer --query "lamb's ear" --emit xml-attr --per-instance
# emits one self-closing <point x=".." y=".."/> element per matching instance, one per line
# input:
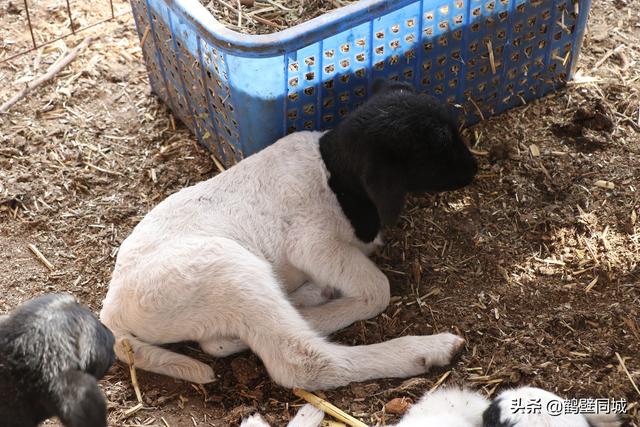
<point x="492" y="415"/>
<point x="96" y="341"/>
<point x="79" y="400"/>
<point x="387" y="189"/>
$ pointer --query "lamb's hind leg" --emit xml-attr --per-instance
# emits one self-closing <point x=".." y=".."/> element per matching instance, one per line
<point x="296" y="356"/>
<point x="258" y="312"/>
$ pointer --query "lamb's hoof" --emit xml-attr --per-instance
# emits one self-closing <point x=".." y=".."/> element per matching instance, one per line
<point x="449" y="348"/>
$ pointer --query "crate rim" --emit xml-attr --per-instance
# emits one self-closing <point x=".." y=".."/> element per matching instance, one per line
<point x="289" y="39"/>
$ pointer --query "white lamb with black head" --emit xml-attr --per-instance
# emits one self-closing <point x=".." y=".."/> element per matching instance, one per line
<point x="52" y="352"/>
<point x="272" y="254"/>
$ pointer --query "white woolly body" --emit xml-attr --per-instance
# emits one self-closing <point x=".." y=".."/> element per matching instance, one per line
<point x="449" y="407"/>
<point x="220" y="262"/>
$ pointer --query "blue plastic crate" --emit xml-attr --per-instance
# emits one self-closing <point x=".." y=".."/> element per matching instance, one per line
<point x="239" y="93"/>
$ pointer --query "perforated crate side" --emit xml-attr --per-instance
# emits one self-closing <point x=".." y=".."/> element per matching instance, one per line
<point x="239" y="93"/>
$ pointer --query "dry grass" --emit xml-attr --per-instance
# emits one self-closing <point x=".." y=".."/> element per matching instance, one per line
<point x="536" y="264"/>
<point x="268" y="16"/>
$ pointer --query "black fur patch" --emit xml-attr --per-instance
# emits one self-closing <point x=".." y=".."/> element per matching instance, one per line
<point x="491" y="416"/>
<point x="397" y="142"/>
<point x="353" y="199"/>
<point x="52" y="352"/>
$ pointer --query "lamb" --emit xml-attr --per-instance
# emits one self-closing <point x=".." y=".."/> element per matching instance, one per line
<point x="459" y="407"/>
<point x="272" y="254"/>
<point x="52" y="352"/>
<point x="454" y="407"/>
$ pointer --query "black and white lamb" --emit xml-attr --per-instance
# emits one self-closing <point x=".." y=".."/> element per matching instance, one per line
<point x="272" y="254"/>
<point x="52" y="352"/>
<point x="455" y="407"/>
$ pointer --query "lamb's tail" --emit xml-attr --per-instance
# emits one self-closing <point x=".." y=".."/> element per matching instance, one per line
<point x="152" y="358"/>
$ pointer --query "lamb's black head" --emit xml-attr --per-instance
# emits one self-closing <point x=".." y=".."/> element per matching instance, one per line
<point x="58" y="334"/>
<point x="400" y="141"/>
<point x="52" y="352"/>
<point x="414" y="135"/>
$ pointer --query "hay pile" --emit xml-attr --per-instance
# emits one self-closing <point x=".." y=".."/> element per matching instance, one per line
<point x="268" y="16"/>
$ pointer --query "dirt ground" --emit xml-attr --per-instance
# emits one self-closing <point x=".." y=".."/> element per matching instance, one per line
<point x="536" y="264"/>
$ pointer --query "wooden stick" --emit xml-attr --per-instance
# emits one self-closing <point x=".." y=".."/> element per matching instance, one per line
<point x="278" y="5"/>
<point x="98" y="168"/>
<point x="144" y="36"/>
<point x="217" y="163"/>
<point x="133" y="410"/>
<point x="51" y="72"/>
<point x="228" y="6"/>
<point x="491" y="58"/>
<point x="477" y="108"/>
<point x="327" y="407"/>
<point x="591" y="284"/>
<point x="626" y="371"/>
<point x="440" y="381"/>
<point x="479" y="153"/>
<point x="265" y="21"/>
<point x="132" y="369"/>
<point x="607" y="55"/>
<point x="41" y="257"/>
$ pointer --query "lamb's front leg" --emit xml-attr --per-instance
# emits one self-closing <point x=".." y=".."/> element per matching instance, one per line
<point x="363" y="288"/>
<point x="365" y="293"/>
